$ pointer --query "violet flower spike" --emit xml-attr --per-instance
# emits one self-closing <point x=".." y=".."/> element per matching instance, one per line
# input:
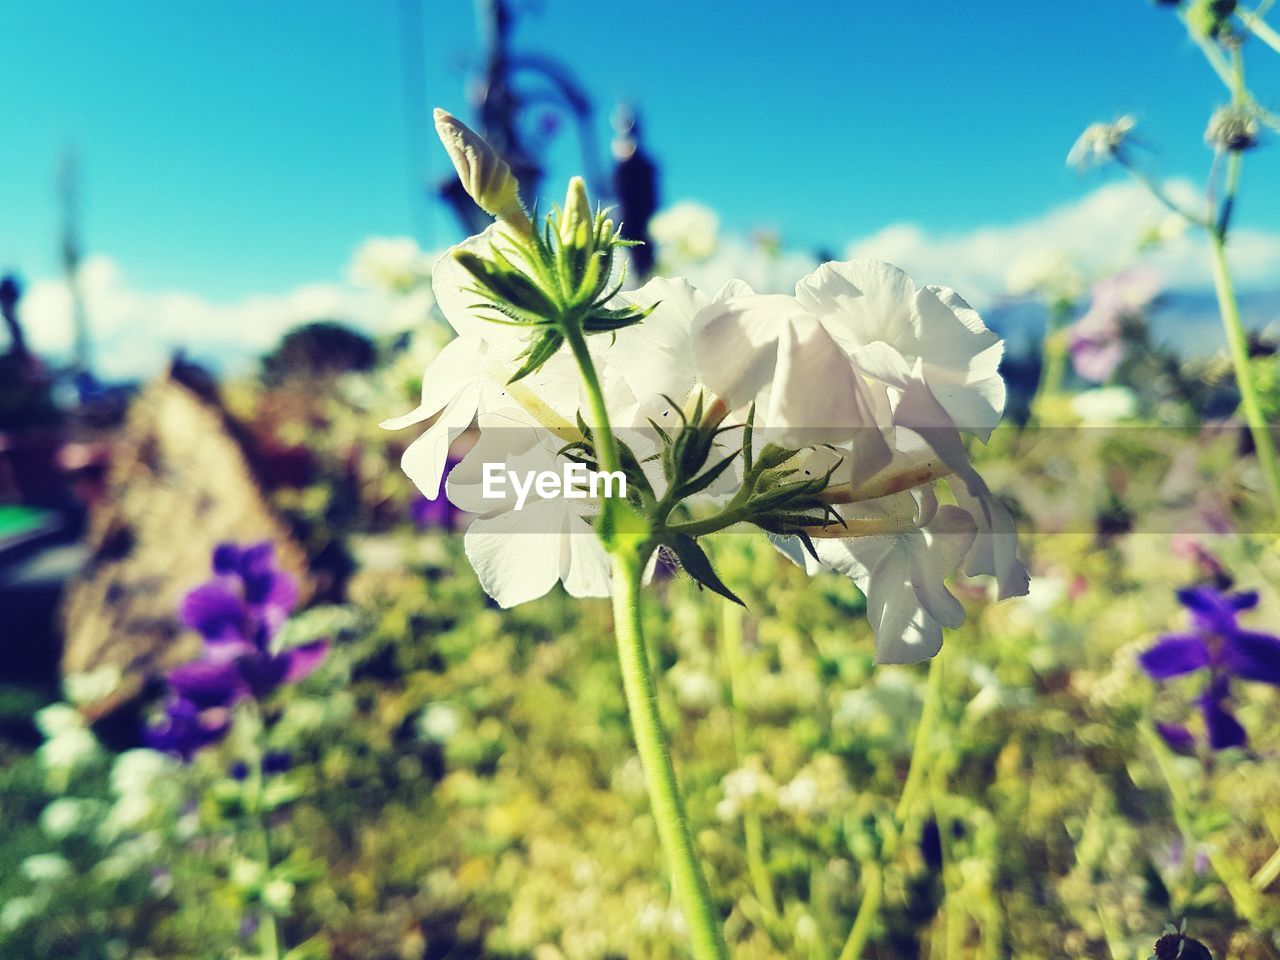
<point x="1217" y="643"/>
<point x="238" y="613"/>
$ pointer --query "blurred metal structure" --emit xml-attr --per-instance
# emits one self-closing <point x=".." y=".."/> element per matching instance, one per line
<point x="635" y="185"/>
<point x="509" y="87"/>
<point x="10" y="294"/>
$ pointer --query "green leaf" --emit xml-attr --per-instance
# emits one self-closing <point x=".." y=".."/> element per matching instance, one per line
<point x="695" y="560"/>
<point x="279" y="792"/>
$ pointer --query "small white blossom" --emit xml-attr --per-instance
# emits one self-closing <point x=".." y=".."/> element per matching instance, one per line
<point x="46" y="867"/>
<point x="439" y="723"/>
<point x="1100" y="142"/>
<point x="685" y="232"/>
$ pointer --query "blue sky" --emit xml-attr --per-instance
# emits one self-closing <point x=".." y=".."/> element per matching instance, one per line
<point x="241" y="146"/>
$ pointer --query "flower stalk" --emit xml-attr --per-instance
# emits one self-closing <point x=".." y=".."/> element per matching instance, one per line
<point x="665" y="801"/>
<point x="629" y="557"/>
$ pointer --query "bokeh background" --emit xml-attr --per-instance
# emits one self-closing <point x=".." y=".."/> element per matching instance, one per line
<point x="217" y="226"/>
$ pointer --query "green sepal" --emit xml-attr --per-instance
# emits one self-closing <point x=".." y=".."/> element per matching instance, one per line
<point x="695" y="560"/>
<point x="707" y="477"/>
<point x="539" y="352"/>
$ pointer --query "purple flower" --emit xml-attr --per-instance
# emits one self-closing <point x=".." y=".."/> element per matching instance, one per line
<point x="1097" y="338"/>
<point x="238" y="612"/>
<point x="186" y="728"/>
<point x="432" y="514"/>
<point x="1217" y="643"/>
<point x="439" y="513"/>
<point x="245" y="603"/>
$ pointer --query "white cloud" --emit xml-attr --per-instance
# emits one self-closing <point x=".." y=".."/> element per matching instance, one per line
<point x="135" y="331"/>
<point x="1097" y="234"/>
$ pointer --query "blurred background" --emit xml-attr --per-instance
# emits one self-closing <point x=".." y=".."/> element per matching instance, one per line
<point x="217" y="226"/>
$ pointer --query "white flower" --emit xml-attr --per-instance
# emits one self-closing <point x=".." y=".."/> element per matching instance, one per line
<point x="391" y="264"/>
<point x="439" y="723"/>
<point x="69" y="744"/>
<point x="46" y="867"/>
<point x="895" y="333"/>
<point x="97" y="684"/>
<point x="1100" y="142"/>
<point x="65" y="815"/>
<point x="834" y="357"/>
<point x="18" y="911"/>
<point x="995" y="547"/>
<point x="520" y="554"/>
<point x="800" y="795"/>
<point x="903" y="574"/>
<point x="1104" y="405"/>
<point x="685" y="231"/>
<point x="746" y="344"/>
<point x="142" y="781"/>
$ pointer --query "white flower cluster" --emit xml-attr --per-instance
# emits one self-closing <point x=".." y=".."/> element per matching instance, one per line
<point x="861" y="381"/>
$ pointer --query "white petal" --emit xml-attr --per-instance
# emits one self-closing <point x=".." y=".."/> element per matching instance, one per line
<point x="458" y="365"/>
<point x="736" y="345"/>
<point x="817" y="397"/>
<point x="584" y="564"/>
<point x="655" y="356"/>
<point x="862" y="301"/>
<point x="424" y="460"/>
<point x="995" y="550"/>
<point x="517" y="555"/>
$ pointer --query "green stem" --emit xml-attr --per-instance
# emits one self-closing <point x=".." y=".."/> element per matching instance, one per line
<point x="872" y="891"/>
<point x="1260" y="28"/>
<point x="606" y="444"/>
<point x="268" y="930"/>
<point x="1238" y="887"/>
<point x="920" y="759"/>
<point x="1053" y="368"/>
<point x="1264" y="447"/>
<point x="920" y="749"/>
<point x="753" y="830"/>
<point x="665" y="801"/>
<point x="691" y="891"/>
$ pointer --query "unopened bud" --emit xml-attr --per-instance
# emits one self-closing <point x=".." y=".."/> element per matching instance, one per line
<point x="1232" y="128"/>
<point x="577" y="223"/>
<point x="485" y="176"/>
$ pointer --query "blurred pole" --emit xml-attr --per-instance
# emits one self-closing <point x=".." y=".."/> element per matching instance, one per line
<point x="635" y="184"/>
<point x="10" y="294"/>
<point x="69" y="193"/>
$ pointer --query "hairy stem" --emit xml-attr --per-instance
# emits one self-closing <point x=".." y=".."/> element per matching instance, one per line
<point x="665" y="801"/>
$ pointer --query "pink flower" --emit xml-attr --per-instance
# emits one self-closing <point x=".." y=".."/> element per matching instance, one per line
<point x="1097" y="343"/>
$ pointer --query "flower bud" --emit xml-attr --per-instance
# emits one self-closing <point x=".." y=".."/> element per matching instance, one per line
<point x="577" y="224"/>
<point x="485" y="176"/>
<point x="1232" y="128"/>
